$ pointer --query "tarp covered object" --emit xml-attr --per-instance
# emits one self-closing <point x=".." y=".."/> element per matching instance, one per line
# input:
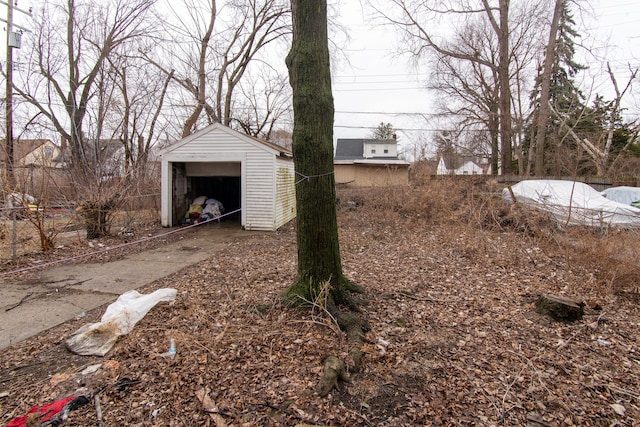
<point x="573" y="203"/>
<point x="625" y="195"/>
<point x="96" y="339"/>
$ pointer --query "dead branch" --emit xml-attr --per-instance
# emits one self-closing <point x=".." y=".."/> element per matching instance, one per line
<point x="404" y="294"/>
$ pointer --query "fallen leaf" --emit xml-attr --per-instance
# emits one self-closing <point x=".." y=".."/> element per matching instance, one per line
<point x="59" y="378"/>
<point x="618" y="409"/>
<point x="208" y="405"/>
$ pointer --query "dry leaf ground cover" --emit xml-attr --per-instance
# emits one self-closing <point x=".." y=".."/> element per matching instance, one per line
<point x="451" y="277"/>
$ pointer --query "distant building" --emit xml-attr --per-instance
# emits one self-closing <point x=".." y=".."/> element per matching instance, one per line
<point x="369" y="162"/>
<point x="36" y="167"/>
<point x="32" y="153"/>
<point x="455" y="164"/>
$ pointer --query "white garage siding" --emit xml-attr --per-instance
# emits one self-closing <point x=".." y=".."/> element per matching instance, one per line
<point x="259" y="197"/>
<point x="266" y="178"/>
<point x="285" y="192"/>
<point x="200" y="146"/>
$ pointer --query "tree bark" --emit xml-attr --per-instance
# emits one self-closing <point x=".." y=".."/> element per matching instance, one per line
<point x="545" y="83"/>
<point x="505" y="89"/>
<point x="310" y="79"/>
<point x="493" y="125"/>
<point x="319" y="280"/>
<point x="199" y="90"/>
<point x="560" y="308"/>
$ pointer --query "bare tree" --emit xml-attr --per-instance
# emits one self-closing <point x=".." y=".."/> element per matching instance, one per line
<point x="136" y="111"/>
<point x="265" y="100"/>
<point x="545" y="83"/>
<point x="229" y="38"/>
<point x="599" y="146"/>
<point x="67" y="82"/>
<point x="470" y="90"/>
<point x="68" y="63"/>
<point x="415" y="21"/>
<point x="202" y="32"/>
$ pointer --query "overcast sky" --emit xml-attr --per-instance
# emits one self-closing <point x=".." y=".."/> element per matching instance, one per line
<point x="377" y="86"/>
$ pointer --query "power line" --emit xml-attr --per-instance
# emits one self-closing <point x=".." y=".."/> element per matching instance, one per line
<point x="385" y="89"/>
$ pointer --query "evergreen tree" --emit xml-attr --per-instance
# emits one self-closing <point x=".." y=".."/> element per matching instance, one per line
<point x="384" y="131"/>
<point x="563" y="94"/>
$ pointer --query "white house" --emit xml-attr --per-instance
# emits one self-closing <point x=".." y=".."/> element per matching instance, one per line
<point x="251" y="177"/>
<point x="461" y="165"/>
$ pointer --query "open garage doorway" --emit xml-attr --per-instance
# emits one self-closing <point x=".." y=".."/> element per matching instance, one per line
<point x="226" y="189"/>
<point x="217" y="180"/>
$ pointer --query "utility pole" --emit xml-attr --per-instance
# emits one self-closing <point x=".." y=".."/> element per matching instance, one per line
<point x="11" y="179"/>
<point x="13" y="40"/>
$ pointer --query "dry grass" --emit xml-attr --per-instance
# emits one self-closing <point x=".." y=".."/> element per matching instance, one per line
<point x="66" y="227"/>
<point x="476" y="206"/>
<point x="473" y="205"/>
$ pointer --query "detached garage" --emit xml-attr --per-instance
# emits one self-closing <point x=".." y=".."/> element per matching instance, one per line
<point x="251" y="177"/>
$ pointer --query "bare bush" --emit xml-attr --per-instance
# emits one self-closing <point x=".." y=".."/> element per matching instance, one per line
<point x="437" y="201"/>
<point x="475" y="210"/>
<point x="612" y="256"/>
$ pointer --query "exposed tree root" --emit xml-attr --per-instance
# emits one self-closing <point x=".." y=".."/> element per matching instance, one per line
<point x="355" y="327"/>
<point x="334" y="370"/>
<point x="330" y="297"/>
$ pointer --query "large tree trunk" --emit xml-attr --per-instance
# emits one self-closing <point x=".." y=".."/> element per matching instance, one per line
<point x="505" y="89"/>
<point x="545" y="83"/>
<point x="317" y="228"/>
<point x="310" y="78"/>
<point x="319" y="280"/>
<point x="493" y="125"/>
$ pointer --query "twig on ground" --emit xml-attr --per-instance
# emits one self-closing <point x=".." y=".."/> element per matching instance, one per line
<point x="429" y="299"/>
<point x="581" y="329"/>
<point x="23" y="299"/>
<point x="619" y="390"/>
<point x="98" y="410"/>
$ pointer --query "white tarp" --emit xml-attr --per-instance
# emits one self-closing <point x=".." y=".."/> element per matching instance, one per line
<point x="18" y="200"/>
<point x="96" y="339"/>
<point x="574" y="203"/>
<point x="625" y="195"/>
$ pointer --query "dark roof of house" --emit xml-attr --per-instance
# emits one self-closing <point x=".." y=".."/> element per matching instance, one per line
<point x="353" y="148"/>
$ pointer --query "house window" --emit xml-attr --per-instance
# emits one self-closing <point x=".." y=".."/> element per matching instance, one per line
<point x="386" y="150"/>
<point x="48" y="152"/>
<point x="465" y="172"/>
<point x="373" y="151"/>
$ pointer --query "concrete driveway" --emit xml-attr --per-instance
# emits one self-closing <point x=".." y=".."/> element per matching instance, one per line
<point x="61" y="293"/>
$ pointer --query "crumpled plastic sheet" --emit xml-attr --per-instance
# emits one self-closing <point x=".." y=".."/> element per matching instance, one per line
<point x="96" y="339"/>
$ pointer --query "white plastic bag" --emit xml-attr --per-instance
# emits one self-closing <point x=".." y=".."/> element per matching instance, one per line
<point x="96" y="339"/>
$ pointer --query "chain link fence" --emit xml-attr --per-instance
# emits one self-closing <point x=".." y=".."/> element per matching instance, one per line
<point x="23" y="228"/>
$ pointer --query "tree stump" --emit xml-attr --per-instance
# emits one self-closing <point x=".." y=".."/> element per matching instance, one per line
<point x="559" y="308"/>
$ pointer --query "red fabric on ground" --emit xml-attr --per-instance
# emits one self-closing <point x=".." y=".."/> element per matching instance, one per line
<point x="46" y="412"/>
